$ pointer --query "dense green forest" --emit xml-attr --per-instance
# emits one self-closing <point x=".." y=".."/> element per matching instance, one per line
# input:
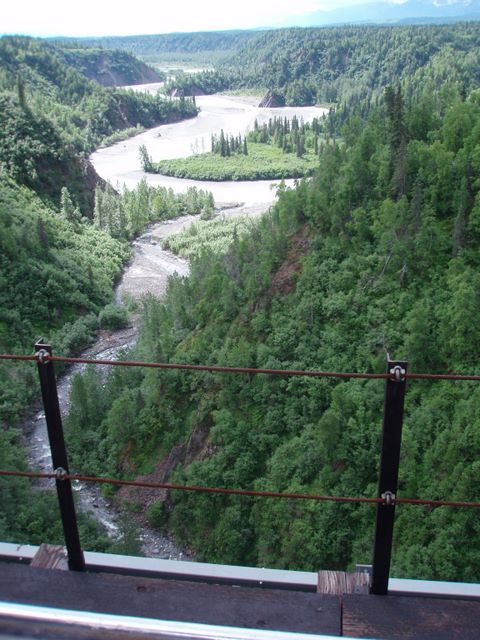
<point x="344" y="64"/>
<point x="125" y="215"/>
<point x="52" y="116"/>
<point x="317" y="65"/>
<point x="57" y="267"/>
<point x="56" y="274"/>
<point x="348" y="64"/>
<point x="198" y="49"/>
<point x="378" y="254"/>
<point x="198" y="83"/>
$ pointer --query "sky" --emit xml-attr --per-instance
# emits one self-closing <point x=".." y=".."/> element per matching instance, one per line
<point x="104" y="17"/>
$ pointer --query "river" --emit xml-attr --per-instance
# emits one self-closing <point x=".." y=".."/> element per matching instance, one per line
<point x="120" y="163"/>
<point x="148" y="272"/>
<point x="151" y="266"/>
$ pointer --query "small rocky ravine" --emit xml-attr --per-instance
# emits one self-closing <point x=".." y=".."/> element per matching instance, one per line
<point x="147" y="272"/>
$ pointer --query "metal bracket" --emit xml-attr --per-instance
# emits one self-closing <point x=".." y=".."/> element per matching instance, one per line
<point x="60" y="473"/>
<point x="398" y="373"/>
<point x="41" y="356"/>
<point x="389" y="498"/>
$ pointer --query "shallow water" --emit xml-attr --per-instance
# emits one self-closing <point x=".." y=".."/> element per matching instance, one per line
<point x="120" y="163"/>
<point x="151" y="266"/>
<point x="148" y="272"/>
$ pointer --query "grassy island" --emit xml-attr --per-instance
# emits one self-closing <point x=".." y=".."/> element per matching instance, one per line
<point x="274" y="151"/>
<point x="263" y="162"/>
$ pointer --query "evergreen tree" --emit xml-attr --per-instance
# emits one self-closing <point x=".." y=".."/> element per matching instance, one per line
<point x="68" y="210"/>
<point x="145" y="159"/>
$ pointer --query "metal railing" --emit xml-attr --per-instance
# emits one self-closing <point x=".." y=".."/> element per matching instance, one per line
<point x="395" y="379"/>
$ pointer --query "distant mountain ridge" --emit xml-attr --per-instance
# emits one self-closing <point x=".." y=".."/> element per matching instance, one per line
<point x="395" y="12"/>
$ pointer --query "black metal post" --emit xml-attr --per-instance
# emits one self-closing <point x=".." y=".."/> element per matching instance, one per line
<point x="53" y="419"/>
<point x="388" y="480"/>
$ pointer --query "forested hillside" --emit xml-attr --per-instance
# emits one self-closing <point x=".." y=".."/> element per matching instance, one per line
<point x="311" y="65"/>
<point x="56" y="274"/>
<point x="344" y="64"/>
<point x="57" y="268"/>
<point x="200" y="48"/>
<point x="109" y="68"/>
<point x="51" y="116"/>
<point x="378" y="254"/>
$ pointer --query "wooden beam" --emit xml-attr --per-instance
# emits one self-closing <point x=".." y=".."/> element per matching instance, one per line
<point x="336" y="583"/>
<point x="277" y="610"/>
<point x="410" y="618"/>
<point x="50" y="556"/>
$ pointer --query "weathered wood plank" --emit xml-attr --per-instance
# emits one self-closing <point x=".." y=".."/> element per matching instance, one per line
<point x="172" y="599"/>
<point x="340" y="582"/>
<point x="410" y="618"/>
<point x="50" y="556"/>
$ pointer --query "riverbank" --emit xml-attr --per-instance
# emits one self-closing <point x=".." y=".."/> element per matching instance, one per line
<point x="147" y="273"/>
<point x="120" y="163"/>
<point x="151" y="266"/>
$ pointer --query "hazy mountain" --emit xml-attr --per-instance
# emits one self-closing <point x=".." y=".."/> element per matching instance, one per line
<point x="396" y="11"/>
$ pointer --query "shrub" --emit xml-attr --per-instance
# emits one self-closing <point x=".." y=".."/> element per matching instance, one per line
<point x="113" y="316"/>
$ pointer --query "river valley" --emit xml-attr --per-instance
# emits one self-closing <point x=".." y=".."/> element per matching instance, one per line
<point x="120" y="163"/>
<point x="151" y="266"/>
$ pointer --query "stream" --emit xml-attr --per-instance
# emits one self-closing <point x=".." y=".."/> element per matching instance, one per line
<point x="148" y="272"/>
<point x="151" y="266"/>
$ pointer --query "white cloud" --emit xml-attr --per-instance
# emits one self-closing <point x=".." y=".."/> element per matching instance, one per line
<point x="444" y="3"/>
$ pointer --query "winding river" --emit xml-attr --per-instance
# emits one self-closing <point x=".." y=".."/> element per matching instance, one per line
<point x="120" y="162"/>
<point x="151" y="266"/>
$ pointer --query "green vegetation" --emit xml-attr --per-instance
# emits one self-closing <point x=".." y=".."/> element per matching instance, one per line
<point x="379" y="253"/>
<point x="205" y="236"/>
<point x="197" y="84"/>
<point x="32" y="517"/>
<point x="224" y="145"/>
<point x="295" y="136"/>
<point x="108" y="68"/>
<point x="56" y="275"/>
<point x="317" y="65"/>
<point x="124" y="134"/>
<point x="200" y="49"/>
<point x="347" y="64"/>
<point x="263" y="162"/>
<point x="113" y="317"/>
<point x="34" y="153"/>
<point x="125" y="215"/>
<point x="276" y="150"/>
<point x="52" y="116"/>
